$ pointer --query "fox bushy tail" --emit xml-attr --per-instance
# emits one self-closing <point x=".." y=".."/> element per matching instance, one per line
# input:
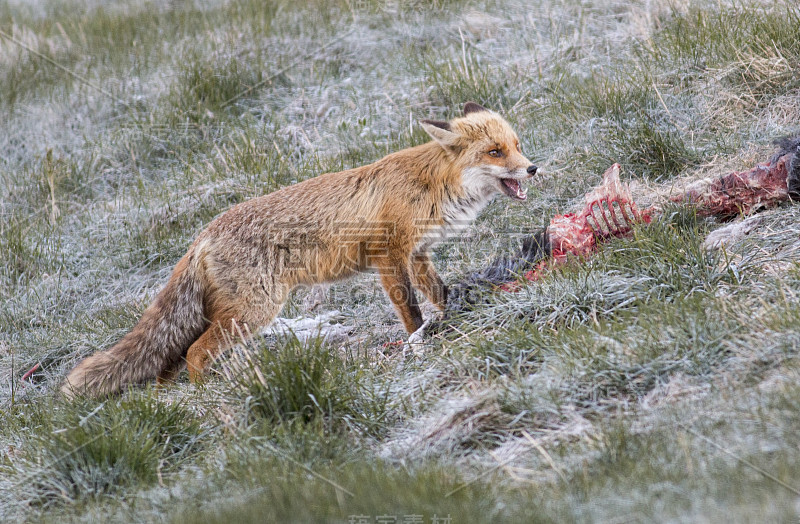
<point x="156" y="344"/>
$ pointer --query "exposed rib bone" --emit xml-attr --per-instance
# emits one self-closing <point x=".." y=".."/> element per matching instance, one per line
<point x="578" y="234"/>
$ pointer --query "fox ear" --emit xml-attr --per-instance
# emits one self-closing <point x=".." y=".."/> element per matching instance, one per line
<point x="441" y="132"/>
<point x="472" y="107"/>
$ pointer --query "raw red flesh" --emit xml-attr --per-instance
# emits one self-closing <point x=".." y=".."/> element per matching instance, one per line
<point x="738" y="193"/>
<point x="578" y="234"/>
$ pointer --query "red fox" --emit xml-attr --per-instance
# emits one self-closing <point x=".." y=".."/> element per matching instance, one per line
<point x="385" y="216"/>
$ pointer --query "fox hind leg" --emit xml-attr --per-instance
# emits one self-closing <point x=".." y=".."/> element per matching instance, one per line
<point x="237" y="319"/>
<point x="213" y="342"/>
<point x="169" y="375"/>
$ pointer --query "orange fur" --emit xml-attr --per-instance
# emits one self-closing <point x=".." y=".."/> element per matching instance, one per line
<point x="385" y="216"/>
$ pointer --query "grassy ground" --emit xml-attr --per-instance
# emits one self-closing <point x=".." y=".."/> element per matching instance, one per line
<point x="659" y="381"/>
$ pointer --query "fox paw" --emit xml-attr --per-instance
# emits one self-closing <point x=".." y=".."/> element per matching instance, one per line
<point x="416" y="341"/>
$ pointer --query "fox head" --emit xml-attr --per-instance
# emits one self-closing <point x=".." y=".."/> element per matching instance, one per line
<point x="486" y="149"/>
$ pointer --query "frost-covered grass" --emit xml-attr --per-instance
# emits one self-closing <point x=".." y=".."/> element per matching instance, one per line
<point x="657" y="381"/>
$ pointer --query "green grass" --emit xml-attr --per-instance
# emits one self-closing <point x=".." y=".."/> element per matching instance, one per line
<point x="631" y="121"/>
<point x="671" y="254"/>
<point x="207" y="87"/>
<point x="88" y="451"/>
<point x="287" y="493"/>
<point x="27" y="255"/>
<point x="657" y="151"/>
<point x="119" y="41"/>
<point x="755" y="48"/>
<point x="299" y="383"/>
<point x="467" y="78"/>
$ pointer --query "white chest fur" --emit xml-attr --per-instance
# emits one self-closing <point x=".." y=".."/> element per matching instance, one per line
<point x="458" y="212"/>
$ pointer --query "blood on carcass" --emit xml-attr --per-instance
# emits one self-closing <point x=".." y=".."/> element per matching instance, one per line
<point x="608" y="211"/>
<point x="741" y="193"/>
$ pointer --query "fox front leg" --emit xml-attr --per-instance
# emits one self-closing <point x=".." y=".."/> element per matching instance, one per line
<point x="425" y="278"/>
<point x="396" y="282"/>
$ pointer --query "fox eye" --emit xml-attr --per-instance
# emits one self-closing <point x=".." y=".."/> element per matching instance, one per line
<point x="519" y="149"/>
<point x="495" y="153"/>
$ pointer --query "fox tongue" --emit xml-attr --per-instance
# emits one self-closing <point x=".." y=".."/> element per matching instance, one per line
<point x="514" y="188"/>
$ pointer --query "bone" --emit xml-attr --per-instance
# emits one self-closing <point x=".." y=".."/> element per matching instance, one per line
<point x="578" y="234"/>
<point x="739" y="193"/>
<point x="574" y="234"/>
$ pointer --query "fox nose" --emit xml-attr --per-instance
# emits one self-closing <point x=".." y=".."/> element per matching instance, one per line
<point x="532" y="169"/>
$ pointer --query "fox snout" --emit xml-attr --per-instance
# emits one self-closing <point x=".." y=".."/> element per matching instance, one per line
<point x="511" y="185"/>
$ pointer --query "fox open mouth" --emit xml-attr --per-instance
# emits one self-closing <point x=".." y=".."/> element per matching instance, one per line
<point x="513" y="188"/>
